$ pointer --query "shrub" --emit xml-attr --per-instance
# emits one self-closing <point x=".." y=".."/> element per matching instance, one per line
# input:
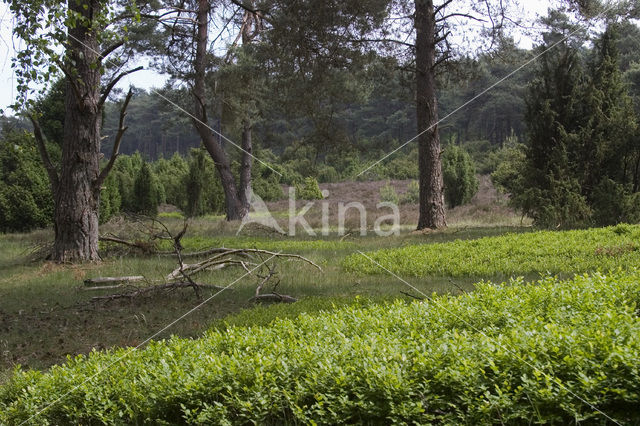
<point x="511" y="254"/>
<point x="403" y="166"/>
<point x="507" y="175"/>
<point x="204" y="193"/>
<point x="309" y="190"/>
<point x="388" y="194"/>
<point x="146" y="192"/>
<point x="549" y="352"/>
<point x="459" y="175"/>
<point x="412" y="196"/>
<point x="172" y="175"/>
<point x="268" y="188"/>
<point x="26" y="201"/>
<point x="110" y="199"/>
<point x="327" y="174"/>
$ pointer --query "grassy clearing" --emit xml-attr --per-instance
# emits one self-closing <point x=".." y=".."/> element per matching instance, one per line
<point x="514" y="353"/>
<point x="45" y="313"/>
<point x="511" y="255"/>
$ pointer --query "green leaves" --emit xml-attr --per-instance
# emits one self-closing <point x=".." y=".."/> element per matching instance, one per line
<point x="511" y="255"/>
<point x="514" y="351"/>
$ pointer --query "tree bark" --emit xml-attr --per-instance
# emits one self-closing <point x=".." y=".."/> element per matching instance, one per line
<point x="235" y="208"/>
<point x="246" y="164"/>
<point x="77" y="197"/>
<point x="432" y="205"/>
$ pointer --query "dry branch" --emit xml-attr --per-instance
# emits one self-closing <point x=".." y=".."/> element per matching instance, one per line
<point x="104" y="281"/>
<point x="273" y="297"/>
<point x="146" y="291"/>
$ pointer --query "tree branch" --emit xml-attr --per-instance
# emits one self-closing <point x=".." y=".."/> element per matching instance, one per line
<point x="112" y="84"/>
<point x="44" y="154"/>
<point x="116" y="144"/>
<point x="382" y="40"/>
<point x="109" y="49"/>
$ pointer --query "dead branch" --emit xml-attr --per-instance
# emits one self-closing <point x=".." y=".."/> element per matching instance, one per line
<point x="104" y="281"/>
<point x="144" y="246"/>
<point x="116" y="144"/>
<point x="273" y="297"/>
<point x="182" y="276"/>
<point x="147" y="291"/>
<point x="412" y="296"/>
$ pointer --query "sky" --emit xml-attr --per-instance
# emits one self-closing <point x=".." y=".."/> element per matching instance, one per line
<point x="147" y="78"/>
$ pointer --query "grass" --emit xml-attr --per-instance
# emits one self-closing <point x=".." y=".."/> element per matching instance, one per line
<point x="45" y="313"/>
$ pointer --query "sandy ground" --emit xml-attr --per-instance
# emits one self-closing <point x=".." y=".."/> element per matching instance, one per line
<point x="487" y="208"/>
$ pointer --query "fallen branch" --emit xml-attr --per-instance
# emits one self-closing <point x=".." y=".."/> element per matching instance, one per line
<point x="412" y="296"/>
<point x="140" y="245"/>
<point x="105" y="281"/>
<point x="145" y="291"/>
<point x="273" y="297"/>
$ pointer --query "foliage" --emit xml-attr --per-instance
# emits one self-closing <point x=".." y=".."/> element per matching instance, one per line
<point x="110" y="199"/>
<point x="459" y="175"/>
<point x="388" y="194"/>
<point x="507" y="175"/>
<point x="309" y="190"/>
<point x="265" y="182"/>
<point x="145" y="191"/>
<point x="25" y="193"/>
<point x="202" y="186"/>
<point x="510" y="255"/>
<point x="549" y="351"/>
<point x="171" y="175"/>
<point x="581" y="147"/>
<point x="412" y="195"/>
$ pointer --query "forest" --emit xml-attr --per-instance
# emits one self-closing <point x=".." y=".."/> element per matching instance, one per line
<point x="327" y="212"/>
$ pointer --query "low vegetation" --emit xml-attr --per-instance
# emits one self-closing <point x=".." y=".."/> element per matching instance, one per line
<point x="547" y="352"/>
<point x="510" y="255"/>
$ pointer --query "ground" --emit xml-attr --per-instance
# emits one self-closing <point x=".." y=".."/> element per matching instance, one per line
<point x="46" y="314"/>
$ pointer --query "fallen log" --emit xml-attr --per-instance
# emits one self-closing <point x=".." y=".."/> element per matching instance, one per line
<point x="110" y="281"/>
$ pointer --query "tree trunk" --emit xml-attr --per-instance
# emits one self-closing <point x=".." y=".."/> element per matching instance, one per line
<point x="235" y="208"/>
<point x="246" y="164"/>
<point x="77" y="198"/>
<point x="432" y="206"/>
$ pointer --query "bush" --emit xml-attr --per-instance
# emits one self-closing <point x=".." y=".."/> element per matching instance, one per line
<point x="507" y="175"/>
<point x="146" y="191"/>
<point x="110" y="199"/>
<point x="549" y="352"/>
<point x="268" y="188"/>
<point x="412" y="196"/>
<point x="509" y="255"/>
<point x="26" y="201"/>
<point x="459" y="175"/>
<point x="172" y="175"/>
<point x="388" y="194"/>
<point x="204" y="192"/>
<point x="310" y="190"/>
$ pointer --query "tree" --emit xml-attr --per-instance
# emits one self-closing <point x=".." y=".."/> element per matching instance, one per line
<point x="581" y="150"/>
<point x="74" y="39"/>
<point x="189" y="56"/>
<point x="145" y="191"/>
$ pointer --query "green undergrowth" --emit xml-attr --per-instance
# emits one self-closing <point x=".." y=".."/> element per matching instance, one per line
<point x="510" y="255"/>
<point x="554" y="351"/>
